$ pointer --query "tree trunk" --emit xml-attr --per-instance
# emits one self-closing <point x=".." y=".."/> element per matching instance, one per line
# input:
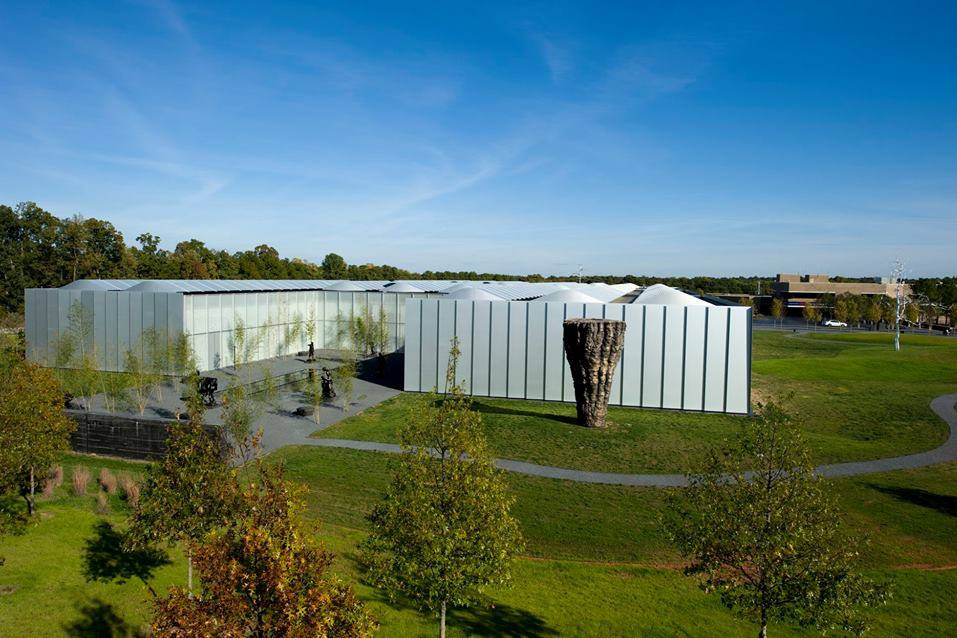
<point x="442" y="622"/>
<point x="189" y="571"/>
<point x="593" y="347"/>
<point x="31" y="502"/>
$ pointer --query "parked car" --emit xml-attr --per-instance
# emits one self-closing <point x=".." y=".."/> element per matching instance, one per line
<point x="834" y="323"/>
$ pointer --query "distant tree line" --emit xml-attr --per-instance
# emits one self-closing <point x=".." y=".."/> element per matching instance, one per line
<point x="41" y="250"/>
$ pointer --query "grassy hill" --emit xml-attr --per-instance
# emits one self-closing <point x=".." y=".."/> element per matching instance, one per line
<point x="597" y="563"/>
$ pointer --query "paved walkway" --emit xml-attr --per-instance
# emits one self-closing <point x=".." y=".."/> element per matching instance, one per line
<point x="943" y="406"/>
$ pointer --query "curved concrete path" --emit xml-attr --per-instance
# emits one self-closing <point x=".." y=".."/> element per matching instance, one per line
<point x="943" y="406"/>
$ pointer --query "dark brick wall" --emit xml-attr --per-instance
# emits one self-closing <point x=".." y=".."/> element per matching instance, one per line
<point x="123" y="436"/>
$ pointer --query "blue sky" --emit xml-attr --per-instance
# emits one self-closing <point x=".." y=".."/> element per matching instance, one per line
<point x="629" y="138"/>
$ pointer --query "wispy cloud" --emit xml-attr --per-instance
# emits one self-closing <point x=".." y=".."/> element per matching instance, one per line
<point x="558" y="56"/>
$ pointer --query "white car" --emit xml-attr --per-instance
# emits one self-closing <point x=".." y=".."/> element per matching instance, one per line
<point x="833" y="323"/>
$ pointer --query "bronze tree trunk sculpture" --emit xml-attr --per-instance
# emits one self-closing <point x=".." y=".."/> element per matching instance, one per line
<point x="593" y="347"/>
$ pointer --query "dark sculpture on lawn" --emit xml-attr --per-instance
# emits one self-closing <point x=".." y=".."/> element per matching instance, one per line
<point x="593" y="347"/>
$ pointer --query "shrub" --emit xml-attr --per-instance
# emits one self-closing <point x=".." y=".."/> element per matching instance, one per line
<point x="48" y="487"/>
<point x="107" y="481"/>
<point x="102" y="503"/>
<point x="56" y="475"/>
<point x="81" y="478"/>
<point x="131" y="490"/>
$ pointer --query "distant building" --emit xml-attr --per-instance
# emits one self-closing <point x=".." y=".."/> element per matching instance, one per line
<point x="798" y="291"/>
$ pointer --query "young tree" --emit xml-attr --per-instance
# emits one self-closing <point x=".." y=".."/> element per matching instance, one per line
<point x="188" y="492"/>
<point x="952" y="316"/>
<point x="380" y="332"/>
<point x="873" y="312"/>
<point x="74" y="356"/>
<point x="114" y="388"/>
<point x="912" y="313"/>
<point x="854" y="309"/>
<point x="140" y="380"/>
<point x="931" y="313"/>
<point x="444" y="530"/>
<point x="810" y="314"/>
<point x="157" y="352"/>
<point x="888" y="311"/>
<point x="311" y="327"/>
<point x="841" y="308"/>
<point x="777" y="309"/>
<point x="762" y="529"/>
<point x="34" y="430"/>
<point x="350" y="335"/>
<point x="261" y="576"/>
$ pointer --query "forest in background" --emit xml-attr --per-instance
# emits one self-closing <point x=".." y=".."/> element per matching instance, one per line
<point x="40" y="250"/>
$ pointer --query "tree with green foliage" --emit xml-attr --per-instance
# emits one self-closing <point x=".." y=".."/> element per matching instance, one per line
<point x="74" y="356"/>
<point x="261" y="576"/>
<point x="34" y="430"/>
<point x="912" y="312"/>
<point x="444" y="530"/>
<point x="888" y="311"/>
<point x="760" y="528"/>
<point x="140" y="380"/>
<point x="952" y="316"/>
<point x="777" y="309"/>
<point x="350" y="336"/>
<point x="189" y="491"/>
<point x="334" y="267"/>
<point x="873" y="311"/>
<point x="855" y="309"/>
<point x="810" y="313"/>
<point x="931" y="313"/>
<point x="840" y="311"/>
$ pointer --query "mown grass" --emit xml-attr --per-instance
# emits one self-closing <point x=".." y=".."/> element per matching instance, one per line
<point x="42" y="588"/>
<point x="597" y="563"/>
<point x="852" y="395"/>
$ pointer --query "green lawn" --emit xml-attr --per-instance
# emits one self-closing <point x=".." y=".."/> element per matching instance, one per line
<point x="854" y="397"/>
<point x="44" y="567"/>
<point x="597" y="563"/>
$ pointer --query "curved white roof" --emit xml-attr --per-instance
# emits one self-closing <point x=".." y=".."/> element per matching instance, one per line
<point x="473" y="294"/>
<point x="668" y="296"/>
<point x="567" y="295"/>
<point x="345" y="286"/>
<point x="623" y="288"/>
<point x="401" y="286"/>
<point x="100" y="284"/>
<point x="158" y="285"/>
<point x="455" y="287"/>
<point x="509" y="290"/>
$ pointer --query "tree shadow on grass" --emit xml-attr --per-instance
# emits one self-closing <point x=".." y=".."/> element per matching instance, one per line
<point x="106" y="558"/>
<point x="487" y="408"/>
<point x="99" y="619"/>
<point x="943" y="503"/>
<point x="482" y="619"/>
<point x="500" y="620"/>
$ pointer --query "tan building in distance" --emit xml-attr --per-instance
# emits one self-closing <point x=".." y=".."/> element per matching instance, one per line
<point x="798" y="291"/>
